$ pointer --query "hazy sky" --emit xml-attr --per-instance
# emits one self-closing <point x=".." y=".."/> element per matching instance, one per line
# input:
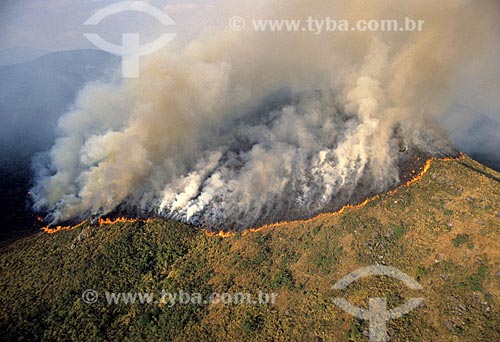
<point x="58" y="24"/>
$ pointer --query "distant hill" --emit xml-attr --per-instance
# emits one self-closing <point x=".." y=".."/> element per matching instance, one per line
<point x="21" y="54"/>
<point x="35" y="94"/>
<point x="442" y="230"/>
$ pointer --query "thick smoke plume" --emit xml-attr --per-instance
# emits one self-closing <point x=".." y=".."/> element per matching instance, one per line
<point x="237" y="129"/>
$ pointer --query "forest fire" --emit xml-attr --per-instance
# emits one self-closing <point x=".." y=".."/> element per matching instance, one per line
<point x="108" y="221"/>
<point x="101" y="222"/>
<point x="54" y="230"/>
<point x="418" y="177"/>
<point x="228" y="234"/>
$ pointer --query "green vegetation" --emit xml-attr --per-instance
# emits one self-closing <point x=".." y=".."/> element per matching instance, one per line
<point x="282" y="278"/>
<point x="476" y="280"/>
<point x="422" y="230"/>
<point x="399" y="231"/>
<point x="461" y="239"/>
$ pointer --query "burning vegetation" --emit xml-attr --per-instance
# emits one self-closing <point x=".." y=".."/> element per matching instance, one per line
<point x="417" y="175"/>
<point x="237" y="132"/>
<point x="441" y="229"/>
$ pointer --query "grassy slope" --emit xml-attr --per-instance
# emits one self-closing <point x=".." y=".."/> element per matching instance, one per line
<point x="443" y="230"/>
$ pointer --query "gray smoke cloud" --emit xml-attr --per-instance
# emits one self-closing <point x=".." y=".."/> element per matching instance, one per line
<point x="238" y="129"/>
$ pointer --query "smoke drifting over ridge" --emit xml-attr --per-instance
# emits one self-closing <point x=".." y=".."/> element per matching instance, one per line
<point x="239" y="129"/>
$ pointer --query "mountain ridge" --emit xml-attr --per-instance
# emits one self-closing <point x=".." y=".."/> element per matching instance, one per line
<point x="442" y="231"/>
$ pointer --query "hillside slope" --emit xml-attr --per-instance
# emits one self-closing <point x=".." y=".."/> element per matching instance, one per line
<point x="443" y="230"/>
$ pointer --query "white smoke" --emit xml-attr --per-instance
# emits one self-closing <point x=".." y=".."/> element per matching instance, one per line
<point x="238" y="129"/>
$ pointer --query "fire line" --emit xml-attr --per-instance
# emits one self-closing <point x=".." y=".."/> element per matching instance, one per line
<point x="223" y="234"/>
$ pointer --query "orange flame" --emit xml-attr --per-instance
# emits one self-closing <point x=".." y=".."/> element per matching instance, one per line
<point x="108" y="221"/>
<point x="61" y="228"/>
<point x="417" y="178"/>
<point x="101" y="222"/>
<point x="224" y="234"/>
<point x="221" y="234"/>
